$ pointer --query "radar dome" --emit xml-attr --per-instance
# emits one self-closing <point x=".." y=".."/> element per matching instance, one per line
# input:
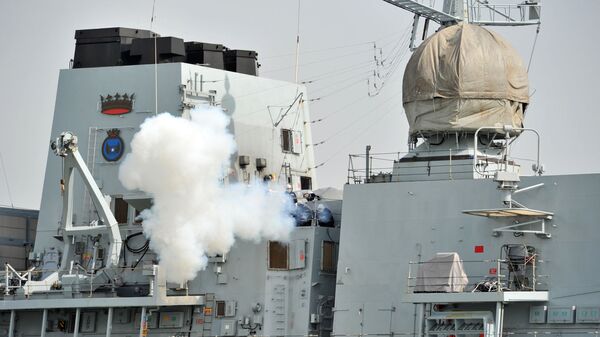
<point x="464" y="77"/>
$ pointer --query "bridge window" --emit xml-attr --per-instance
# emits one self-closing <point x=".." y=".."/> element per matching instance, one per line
<point x="121" y="211"/>
<point x="328" y="257"/>
<point x="278" y="255"/>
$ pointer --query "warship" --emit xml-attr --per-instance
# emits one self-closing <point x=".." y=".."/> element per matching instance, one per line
<point x="454" y="240"/>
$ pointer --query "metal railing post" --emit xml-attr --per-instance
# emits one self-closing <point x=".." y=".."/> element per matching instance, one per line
<point x="408" y="280"/>
<point x="77" y="318"/>
<point x="28" y="283"/>
<point x="6" y="280"/>
<point x="499" y="285"/>
<point x="11" y="325"/>
<point x="44" y="323"/>
<point x="450" y="164"/>
<point x="109" y="320"/>
<point x="143" y="327"/>
<point x="534" y="273"/>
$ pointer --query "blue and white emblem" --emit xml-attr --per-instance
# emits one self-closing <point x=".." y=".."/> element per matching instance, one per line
<point x="113" y="146"/>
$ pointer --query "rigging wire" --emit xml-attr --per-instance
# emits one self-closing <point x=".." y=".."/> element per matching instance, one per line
<point x="337" y="56"/>
<point x="317" y="61"/>
<point x="537" y="33"/>
<point x="352" y="67"/>
<point x="390" y="68"/>
<point x="343" y="70"/>
<point x="321" y="89"/>
<point x="10" y="199"/>
<point x="338" y="110"/>
<point x="297" y="112"/>
<point x="387" y="76"/>
<point x="352" y="123"/>
<point x="352" y="84"/>
<point x="289" y="107"/>
<point x="355" y="138"/>
<point x="319" y="50"/>
<point x="314" y="51"/>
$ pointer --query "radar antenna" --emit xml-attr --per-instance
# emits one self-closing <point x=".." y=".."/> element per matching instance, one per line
<point x="477" y="12"/>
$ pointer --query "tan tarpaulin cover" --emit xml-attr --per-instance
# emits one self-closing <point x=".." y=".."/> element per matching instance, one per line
<point x="464" y="77"/>
<point x="443" y="273"/>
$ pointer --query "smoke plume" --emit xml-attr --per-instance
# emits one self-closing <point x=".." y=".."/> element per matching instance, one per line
<point x="181" y="162"/>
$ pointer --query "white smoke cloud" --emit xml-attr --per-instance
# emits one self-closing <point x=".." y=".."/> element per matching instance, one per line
<point x="180" y="162"/>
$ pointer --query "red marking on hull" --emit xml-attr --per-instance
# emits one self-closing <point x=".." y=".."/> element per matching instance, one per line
<point x="116" y="111"/>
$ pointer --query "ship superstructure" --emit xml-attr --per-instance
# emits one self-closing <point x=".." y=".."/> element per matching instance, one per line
<point x="454" y="238"/>
<point x="93" y="273"/>
<point x="457" y="237"/>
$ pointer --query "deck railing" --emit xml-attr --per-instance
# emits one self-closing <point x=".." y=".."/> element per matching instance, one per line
<point x="85" y="281"/>
<point x="494" y="275"/>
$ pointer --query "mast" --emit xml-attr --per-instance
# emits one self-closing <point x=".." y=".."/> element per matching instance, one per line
<point x="477" y="12"/>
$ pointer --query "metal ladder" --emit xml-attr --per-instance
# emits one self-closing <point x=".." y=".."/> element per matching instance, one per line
<point x="425" y="11"/>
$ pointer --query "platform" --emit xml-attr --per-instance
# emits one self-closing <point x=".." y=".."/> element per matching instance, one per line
<point x="479" y="297"/>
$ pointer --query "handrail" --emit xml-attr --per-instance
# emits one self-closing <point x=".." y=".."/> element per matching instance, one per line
<point x="507" y="129"/>
<point x="14" y="279"/>
<point x="495" y="279"/>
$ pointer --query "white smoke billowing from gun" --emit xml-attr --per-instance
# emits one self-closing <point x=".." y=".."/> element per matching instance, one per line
<point x="181" y="163"/>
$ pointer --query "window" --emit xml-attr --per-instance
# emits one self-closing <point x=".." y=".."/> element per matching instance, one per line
<point x="287" y="141"/>
<point x="305" y="183"/>
<point x="121" y="210"/>
<point x="225" y="308"/>
<point x="278" y="255"/>
<point x="328" y="257"/>
<point x="220" y="309"/>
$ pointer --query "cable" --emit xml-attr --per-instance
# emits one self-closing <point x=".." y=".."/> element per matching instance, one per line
<point x="390" y="64"/>
<point x="139" y="260"/>
<point x="10" y="199"/>
<point x="391" y="68"/>
<point x="363" y="116"/>
<point x="338" y="110"/>
<point x="142" y="249"/>
<point x="333" y="74"/>
<point x="139" y="249"/>
<point x="317" y="61"/>
<point x="355" y="82"/>
<point x="356" y="137"/>
<point x="402" y="39"/>
<point x="338" y="47"/>
<point x="537" y="33"/>
<point x="318" y="77"/>
<point x="289" y="107"/>
<point x="318" y="50"/>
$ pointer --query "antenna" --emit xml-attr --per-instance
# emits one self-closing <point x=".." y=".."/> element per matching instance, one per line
<point x="155" y="62"/>
<point x="6" y="181"/>
<point x="477" y="12"/>
<point x="297" y="44"/>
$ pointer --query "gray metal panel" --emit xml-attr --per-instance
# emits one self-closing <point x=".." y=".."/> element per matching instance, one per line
<point x="537" y="314"/>
<point x="387" y="225"/>
<point x="587" y="315"/>
<point x="562" y="315"/>
<point x="228" y="327"/>
<point x="19" y="212"/>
